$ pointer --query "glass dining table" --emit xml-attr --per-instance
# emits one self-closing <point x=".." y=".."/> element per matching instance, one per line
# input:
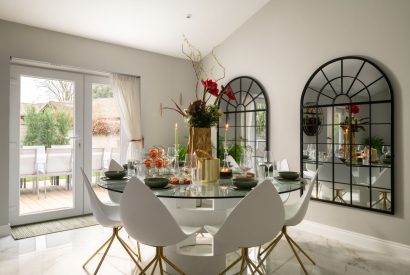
<point x="203" y="204"/>
<point x="222" y="189"/>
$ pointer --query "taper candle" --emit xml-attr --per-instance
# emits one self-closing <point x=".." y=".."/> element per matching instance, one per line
<point x="226" y="130"/>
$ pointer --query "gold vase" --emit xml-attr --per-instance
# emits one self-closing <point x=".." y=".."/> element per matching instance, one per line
<point x="349" y="141"/>
<point x="200" y="142"/>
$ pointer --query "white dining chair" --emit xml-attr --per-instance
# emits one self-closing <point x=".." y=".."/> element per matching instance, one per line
<point x="28" y="166"/>
<point x="97" y="162"/>
<point x="115" y="197"/>
<point x="294" y="214"/>
<point x="59" y="162"/>
<point x="257" y="218"/>
<point x="147" y="219"/>
<point x="107" y="216"/>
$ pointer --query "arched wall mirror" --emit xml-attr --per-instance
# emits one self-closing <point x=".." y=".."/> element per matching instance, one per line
<point x="346" y="117"/>
<point x="247" y="117"/>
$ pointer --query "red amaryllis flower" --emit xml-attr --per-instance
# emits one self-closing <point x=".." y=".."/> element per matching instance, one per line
<point x="353" y="107"/>
<point x="210" y="86"/>
<point x="229" y="93"/>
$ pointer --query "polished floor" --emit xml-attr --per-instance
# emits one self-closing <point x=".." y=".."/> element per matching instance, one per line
<point x="65" y="252"/>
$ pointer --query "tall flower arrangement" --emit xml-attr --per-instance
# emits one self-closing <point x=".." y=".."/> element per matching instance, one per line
<point x="351" y="125"/>
<point x="204" y="111"/>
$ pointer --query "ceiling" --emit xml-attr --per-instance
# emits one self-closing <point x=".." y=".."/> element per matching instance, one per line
<point x="152" y="25"/>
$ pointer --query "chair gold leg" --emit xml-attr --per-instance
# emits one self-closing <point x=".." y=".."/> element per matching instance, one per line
<point x="103" y="257"/>
<point x="274" y="242"/>
<point x="300" y="249"/>
<point x="157" y="261"/>
<point x="109" y="242"/>
<point x="129" y="251"/>
<point x="149" y="264"/>
<point x="98" y="250"/>
<point x="231" y="265"/>
<point x="128" y="248"/>
<point x="268" y="250"/>
<point x="297" y="256"/>
<point x="171" y="263"/>
<point x="291" y="242"/>
<point x="245" y="263"/>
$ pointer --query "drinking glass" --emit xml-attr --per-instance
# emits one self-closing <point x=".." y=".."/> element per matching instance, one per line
<point x="190" y="162"/>
<point x="312" y="151"/>
<point x="245" y="163"/>
<point x="268" y="161"/>
<point x="139" y="161"/>
<point x="171" y="154"/>
<point x="385" y="150"/>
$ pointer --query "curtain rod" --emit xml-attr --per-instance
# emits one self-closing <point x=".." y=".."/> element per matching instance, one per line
<point x="48" y="65"/>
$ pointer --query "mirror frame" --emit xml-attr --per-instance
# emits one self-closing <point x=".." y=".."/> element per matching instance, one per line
<point x="343" y="76"/>
<point x="236" y="92"/>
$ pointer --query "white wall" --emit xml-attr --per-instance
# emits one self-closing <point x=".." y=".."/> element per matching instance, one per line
<point x="287" y="40"/>
<point x="162" y="77"/>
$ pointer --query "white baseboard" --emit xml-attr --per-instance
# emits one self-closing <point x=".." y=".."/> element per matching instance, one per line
<point x="4" y="230"/>
<point x="371" y="243"/>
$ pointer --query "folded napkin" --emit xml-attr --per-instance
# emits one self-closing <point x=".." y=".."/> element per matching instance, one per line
<point x="115" y="166"/>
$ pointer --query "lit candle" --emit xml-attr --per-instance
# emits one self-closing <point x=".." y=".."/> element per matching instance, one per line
<point x="226" y="130"/>
<point x="176" y="134"/>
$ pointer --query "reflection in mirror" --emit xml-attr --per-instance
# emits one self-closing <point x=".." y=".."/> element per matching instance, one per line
<point x="347" y="131"/>
<point x="247" y="118"/>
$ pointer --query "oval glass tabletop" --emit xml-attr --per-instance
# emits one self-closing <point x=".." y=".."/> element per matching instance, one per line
<point x="221" y="189"/>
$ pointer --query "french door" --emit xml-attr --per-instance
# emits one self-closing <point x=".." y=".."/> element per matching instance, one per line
<point x="51" y="138"/>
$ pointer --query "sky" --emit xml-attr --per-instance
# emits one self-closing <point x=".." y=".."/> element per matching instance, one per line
<point x="31" y="93"/>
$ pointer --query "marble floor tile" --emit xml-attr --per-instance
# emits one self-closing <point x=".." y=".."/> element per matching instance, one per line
<point x="65" y="252"/>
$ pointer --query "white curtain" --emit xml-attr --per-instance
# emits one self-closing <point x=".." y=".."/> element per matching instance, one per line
<point x="127" y="94"/>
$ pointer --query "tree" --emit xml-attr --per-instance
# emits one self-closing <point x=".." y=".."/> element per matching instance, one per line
<point x="32" y="121"/>
<point x="63" y="125"/>
<point x="46" y="127"/>
<point x="60" y="90"/>
<point x="102" y="91"/>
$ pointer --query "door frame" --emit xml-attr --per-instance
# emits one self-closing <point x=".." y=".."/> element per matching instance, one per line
<point x="14" y="144"/>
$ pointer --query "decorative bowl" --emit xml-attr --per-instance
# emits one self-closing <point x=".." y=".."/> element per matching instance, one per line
<point x="156" y="182"/>
<point x="115" y="174"/>
<point x="243" y="183"/>
<point x="288" y="175"/>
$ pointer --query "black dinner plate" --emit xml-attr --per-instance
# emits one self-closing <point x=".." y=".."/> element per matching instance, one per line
<point x="282" y="179"/>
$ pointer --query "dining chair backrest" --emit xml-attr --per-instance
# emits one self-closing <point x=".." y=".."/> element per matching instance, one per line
<point x="255" y="220"/>
<point x="114" y="166"/>
<point x="283" y="165"/>
<point x="302" y="204"/>
<point x="58" y="160"/>
<point x="383" y="180"/>
<point x="146" y="218"/>
<point x="115" y="154"/>
<point x="28" y="159"/>
<point x="97" y="158"/>
<point x="97" y="207"/>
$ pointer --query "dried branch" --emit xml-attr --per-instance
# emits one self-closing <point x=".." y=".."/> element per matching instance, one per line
<point x="219" y="63"/>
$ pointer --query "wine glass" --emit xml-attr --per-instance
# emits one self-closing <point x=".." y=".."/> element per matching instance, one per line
<point x="385" y="149"/>
<point x="171" y="154"/>
<point x="268" y="161"/>
<point x="245" y="163"/>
